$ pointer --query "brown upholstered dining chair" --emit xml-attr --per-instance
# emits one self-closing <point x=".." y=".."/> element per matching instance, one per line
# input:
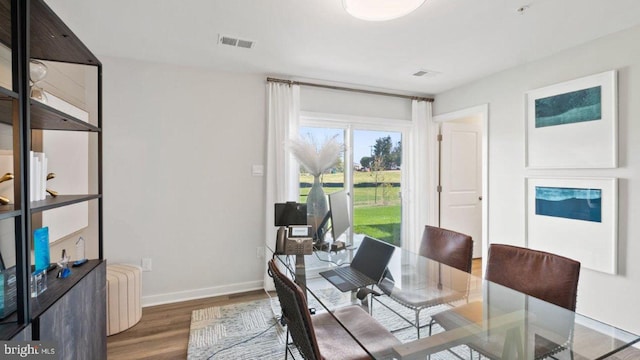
<point x="444" y="246"/>
<point x="548" y="277"/>
<point x="320" y="336"/>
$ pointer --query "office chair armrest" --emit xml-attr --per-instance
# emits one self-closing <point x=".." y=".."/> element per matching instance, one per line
<point x="364" y="292"/>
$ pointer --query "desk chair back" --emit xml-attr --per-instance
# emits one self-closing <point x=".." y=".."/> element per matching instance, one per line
<point x="444" y="246"/>
<point x="321" y="336"/>
<point x="549" y="277"/>
<point x="296" y="313"/>
<point x="448" y="247"/>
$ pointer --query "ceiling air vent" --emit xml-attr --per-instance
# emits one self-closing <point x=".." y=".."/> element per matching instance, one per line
<point x="245" y="44"/>
<point x="231" y="41"/>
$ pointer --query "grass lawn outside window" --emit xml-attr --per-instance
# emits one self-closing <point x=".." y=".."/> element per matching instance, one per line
<point x="376" y="196"/>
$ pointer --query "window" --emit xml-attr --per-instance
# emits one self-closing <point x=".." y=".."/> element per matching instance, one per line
<point x="370" y="170"/>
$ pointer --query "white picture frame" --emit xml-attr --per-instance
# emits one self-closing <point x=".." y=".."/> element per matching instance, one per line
<point x="562" y="217"/>
<point x="573" y="125"/>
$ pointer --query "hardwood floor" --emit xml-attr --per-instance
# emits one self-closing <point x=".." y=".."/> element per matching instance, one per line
<point x="163" y="331"/>
<point x="476" y="267"/>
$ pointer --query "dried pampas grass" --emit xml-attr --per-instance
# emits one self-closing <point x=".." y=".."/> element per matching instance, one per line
<point x="316" y="159"/>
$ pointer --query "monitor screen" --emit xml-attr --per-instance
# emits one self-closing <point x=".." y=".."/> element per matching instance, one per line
<point x="290" y="213"/>
<point x="340" y="219"/>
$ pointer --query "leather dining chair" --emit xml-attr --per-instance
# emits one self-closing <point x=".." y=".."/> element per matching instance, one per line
<point x="320" y="336"/>
<point x="444" y="246"/>
<point x="549" y="277"/>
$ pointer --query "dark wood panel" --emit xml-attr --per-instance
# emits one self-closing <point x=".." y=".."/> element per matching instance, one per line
<point x="52" y="40"/>
<point x="60" y="200"/>
<point x="77" y="321"/>
<point x="44" y="117"/>
<point x="24" y="335"/>
<point x="5" y="22"/>
<point x="6" y="109"/>
<point x="57" y="288"/>
<point x="10" y="329"/>
<point x="8" y="211"/>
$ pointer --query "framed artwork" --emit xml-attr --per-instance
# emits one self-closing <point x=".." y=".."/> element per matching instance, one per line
<point x="573" y="124"/>
<point x="576" y="218"/>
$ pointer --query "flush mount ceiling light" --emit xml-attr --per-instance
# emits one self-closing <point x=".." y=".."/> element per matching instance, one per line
<point x="380" y="10"/>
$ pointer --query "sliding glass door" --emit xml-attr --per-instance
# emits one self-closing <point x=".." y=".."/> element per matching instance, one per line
<point x="369" y="170"/>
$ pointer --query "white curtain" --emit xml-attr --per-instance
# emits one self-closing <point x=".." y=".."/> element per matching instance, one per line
<point x="418" y="185"/>
<point x="283" y="107"/>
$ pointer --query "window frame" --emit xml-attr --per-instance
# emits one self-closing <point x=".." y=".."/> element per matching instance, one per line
<point x="350" y="123"/>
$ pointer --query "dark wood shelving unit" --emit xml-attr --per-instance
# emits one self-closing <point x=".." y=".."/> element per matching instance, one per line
<point x="71" y="311"/>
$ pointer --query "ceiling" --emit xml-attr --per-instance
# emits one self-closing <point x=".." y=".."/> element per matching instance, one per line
<point x="461" y="40"/>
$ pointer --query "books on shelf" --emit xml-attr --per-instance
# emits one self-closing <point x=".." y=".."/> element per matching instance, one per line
<point x="38" y="175"/>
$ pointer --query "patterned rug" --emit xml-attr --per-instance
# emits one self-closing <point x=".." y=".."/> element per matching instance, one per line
<point x="251" y="330"/>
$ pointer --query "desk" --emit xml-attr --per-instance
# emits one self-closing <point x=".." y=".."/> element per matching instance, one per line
<point x="503" y="322"/>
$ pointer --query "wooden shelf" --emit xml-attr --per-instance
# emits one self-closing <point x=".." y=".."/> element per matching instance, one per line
<point x="56" y="288"/>
<point x="6" y="110"/>
<point x="5" y="22"/>
<point x="59" y="201"/>
<point x="10" y="329"/>
<point x="44" y="117"/>
<point x="7" y="93"/>
<point x="51" y="39"/>
<point x="8" y="211"/>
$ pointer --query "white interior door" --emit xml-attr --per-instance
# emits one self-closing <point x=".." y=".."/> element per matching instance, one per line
<point x="461" y="179"/>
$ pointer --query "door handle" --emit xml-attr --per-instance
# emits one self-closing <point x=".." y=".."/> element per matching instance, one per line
<point x="480" y="198"/>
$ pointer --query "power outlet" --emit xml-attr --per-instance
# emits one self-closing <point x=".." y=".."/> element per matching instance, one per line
<point x="260" y="252"/>
<point x="146" y="264"/>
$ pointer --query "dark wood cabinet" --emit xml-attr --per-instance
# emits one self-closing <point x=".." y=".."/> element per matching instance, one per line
<point x="76" y="321"/>
<point x="72" y="311"/>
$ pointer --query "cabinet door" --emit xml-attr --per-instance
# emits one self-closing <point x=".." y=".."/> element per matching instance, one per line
<point x="77" y="322"/>
<point x="24" y="335"/>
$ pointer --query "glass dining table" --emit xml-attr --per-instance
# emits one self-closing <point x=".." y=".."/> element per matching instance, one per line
<point x="488" y="318"/>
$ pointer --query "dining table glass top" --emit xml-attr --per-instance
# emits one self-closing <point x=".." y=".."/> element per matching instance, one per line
<point x="474" y="315"/>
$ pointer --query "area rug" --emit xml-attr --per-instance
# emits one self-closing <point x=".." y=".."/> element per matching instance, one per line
<point x="251" y="330"/>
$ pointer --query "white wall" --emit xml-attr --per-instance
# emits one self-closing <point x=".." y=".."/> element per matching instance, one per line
<point x="179" y="144"/>
<point x="610" y="298"/>
<point x="329" y="101"/>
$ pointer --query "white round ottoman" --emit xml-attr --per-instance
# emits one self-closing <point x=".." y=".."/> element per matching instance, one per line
<point x="124" y="288"/>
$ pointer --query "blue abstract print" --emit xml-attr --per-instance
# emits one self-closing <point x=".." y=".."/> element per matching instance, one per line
<point x="569" y="108"/>
<point x="569" y="203"/>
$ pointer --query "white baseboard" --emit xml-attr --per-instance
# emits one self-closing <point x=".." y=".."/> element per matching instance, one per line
<point x="167" y="298"/>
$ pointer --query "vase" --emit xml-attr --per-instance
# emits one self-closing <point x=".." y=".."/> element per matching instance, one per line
<point x="316" y="207"/>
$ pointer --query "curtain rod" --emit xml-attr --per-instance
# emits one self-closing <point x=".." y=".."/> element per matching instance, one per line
<point x="332" y="87"/>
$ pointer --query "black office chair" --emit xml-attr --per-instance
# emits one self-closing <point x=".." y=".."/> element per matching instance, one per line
<point x="320" y="336"/>
<point x="545" y="276"/>
<point x="444" y="246"/>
